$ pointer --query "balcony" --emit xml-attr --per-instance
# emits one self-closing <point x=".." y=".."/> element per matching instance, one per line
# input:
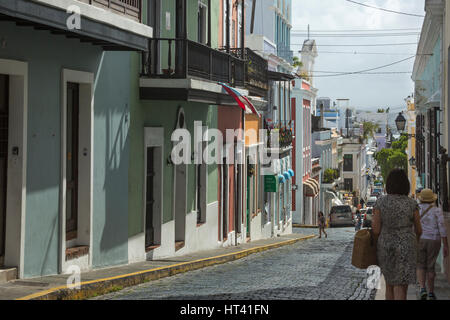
<point x="256" y="71"/>
<point x="129" y="8"/>
<point x="285" y="52"/>
<point x="281" y="135"/>
<point x="117" y="28"/>
<point x="191" y="67"/>
<point x="181" y="58"/>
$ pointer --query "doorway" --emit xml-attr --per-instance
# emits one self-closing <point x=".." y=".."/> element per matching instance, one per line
<point x="4" y="127"/>
<point x="153" y="187"/>
<point x="225" y="199"/>
<point x="149" y="198"/>
<point x="72" y="141"/>
<point x="180" y="203"/>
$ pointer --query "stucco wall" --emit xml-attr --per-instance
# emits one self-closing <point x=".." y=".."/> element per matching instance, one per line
<point x="47" y="55"/>
<point x="446" y="88"/>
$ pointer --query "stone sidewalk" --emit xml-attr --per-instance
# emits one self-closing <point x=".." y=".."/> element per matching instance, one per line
<point x="102" y="281"/>
<point x="442" y="289"/>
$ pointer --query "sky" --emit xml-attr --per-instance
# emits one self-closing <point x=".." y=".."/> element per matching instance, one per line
<point x="368" y="91"/>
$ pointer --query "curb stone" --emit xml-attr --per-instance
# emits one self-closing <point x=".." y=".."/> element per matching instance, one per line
<point x="103" y="286"/>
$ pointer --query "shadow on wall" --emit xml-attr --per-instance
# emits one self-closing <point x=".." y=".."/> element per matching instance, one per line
<point x="110" y="215"/>
<point x="115" y="230"/>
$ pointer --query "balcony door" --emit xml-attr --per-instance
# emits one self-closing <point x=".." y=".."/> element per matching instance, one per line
<point x="4" y="120"/>
<point x="202" y="23"/>
<point x="154" y="21"/>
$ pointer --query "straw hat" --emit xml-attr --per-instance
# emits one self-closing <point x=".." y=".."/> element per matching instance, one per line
<point x="427" y="195"/>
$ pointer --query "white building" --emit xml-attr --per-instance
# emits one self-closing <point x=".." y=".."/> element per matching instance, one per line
<point x="354" y="167"/>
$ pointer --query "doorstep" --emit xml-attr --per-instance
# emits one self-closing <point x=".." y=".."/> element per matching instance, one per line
<point x="8" y="274"/>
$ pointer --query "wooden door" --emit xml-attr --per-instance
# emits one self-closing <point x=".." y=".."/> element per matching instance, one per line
<point x="72" y="140"/>
<point x="150" y="198"/>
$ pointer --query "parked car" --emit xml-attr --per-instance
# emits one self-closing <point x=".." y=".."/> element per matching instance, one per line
<point x="371" y="201"/>
<point x="341" y="216"/>
<point x="368" y="215"/>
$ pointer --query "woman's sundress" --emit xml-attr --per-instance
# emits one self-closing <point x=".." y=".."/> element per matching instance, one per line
<point x="397" y="243"/>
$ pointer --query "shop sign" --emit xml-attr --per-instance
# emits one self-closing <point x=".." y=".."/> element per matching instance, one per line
<point x="270" y="183"/>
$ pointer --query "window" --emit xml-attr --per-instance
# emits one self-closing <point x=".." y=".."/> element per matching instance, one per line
<point x="348" y="184"/>
<point x="233" y="33"/>
<point x="348" y="162"/>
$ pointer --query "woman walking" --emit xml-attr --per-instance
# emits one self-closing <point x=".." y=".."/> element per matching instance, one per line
<point x="434" y="231"/>
<point x="395" y="215"/>
<point x="358" y="220"/>
<point x="322" y="225"/>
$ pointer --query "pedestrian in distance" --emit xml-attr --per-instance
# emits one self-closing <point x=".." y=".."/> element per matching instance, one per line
<point x="397" y="229"/>
<point x="434" y="231"/>
<point x="322" y="225"/>
<point x="358" y="220"/>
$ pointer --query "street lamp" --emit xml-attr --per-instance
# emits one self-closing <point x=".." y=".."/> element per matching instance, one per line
<point x="400" y="122"/>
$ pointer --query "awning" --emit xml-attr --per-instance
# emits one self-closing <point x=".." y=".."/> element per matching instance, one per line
<point x="316" y="184"/>
<point x="281" y="178"/>
<point x="311" y="187"/>
<point x="241" y="100"/>
<point x="291" y="172"/>
<point x="287" y="175"/>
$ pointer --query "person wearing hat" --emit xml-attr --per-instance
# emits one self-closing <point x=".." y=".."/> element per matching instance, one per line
<point x="433" y="232"/>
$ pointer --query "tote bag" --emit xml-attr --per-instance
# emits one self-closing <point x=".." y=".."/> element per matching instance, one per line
<point x="364" y="252"/>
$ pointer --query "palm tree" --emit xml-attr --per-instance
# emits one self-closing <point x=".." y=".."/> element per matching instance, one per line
<point x="369" y="129"/>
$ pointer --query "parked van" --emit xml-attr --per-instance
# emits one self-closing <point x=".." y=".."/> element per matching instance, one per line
<point x="341" y="216"/>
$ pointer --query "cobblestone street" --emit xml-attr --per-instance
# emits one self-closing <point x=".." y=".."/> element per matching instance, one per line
<point x="316" y="269"/>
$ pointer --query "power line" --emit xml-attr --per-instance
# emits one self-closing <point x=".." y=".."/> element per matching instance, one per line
<point x="360" y="35"/>
<point x="362" y="71"/>
<point x="362" y="45"/>
<point x="360" y="30"/>
<point x="387" y="10"/>
<point x="349" y="52"/>
<point x="374" y="53"/>
<point x="385" y="72"/>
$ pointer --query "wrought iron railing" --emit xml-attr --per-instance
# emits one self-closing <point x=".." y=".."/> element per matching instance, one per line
<point x="256" y="68"/>
<point x="132" y="8"/>
<point x="181" y="58"/>
<point x="280" y="134"/>
<point x="285" y="52"/>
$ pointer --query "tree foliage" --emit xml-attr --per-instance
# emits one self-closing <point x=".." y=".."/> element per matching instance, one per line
<point x="401" y="144"/>
<point x="297" y="62"/>
<point x="330" y="175"/>
<point x="389" y="159"/>
<point x="369" y="129"/>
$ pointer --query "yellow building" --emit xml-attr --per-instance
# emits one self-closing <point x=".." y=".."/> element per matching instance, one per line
<point x="411" y="150"/>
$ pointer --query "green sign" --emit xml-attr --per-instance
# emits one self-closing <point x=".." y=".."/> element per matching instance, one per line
<point x="270" y="184"/>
